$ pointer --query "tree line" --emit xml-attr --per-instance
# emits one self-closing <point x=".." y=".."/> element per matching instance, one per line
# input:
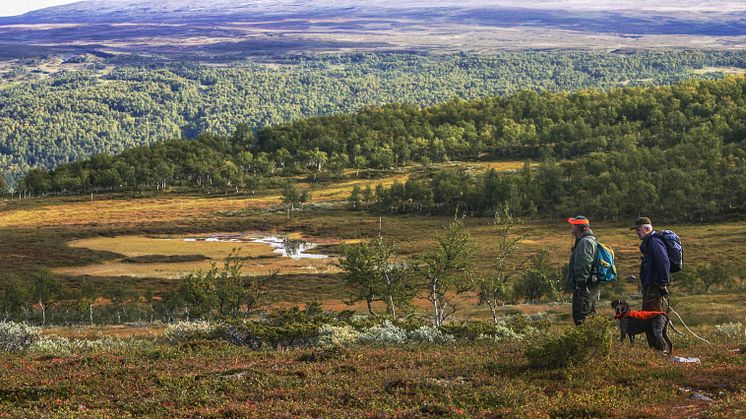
<point x="682" y="183"/>
<point x="72" y="115"/>
<point x="676" y="151"/>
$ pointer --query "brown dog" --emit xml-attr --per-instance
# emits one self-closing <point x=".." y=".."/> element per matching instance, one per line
<point x="653" y="323"/>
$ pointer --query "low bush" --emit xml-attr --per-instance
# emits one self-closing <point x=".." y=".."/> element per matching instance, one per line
<point x="237" y="336"/>
<point x="16" y="337"/>
<point x="186" y="331"/>
<point x="282" y="335"/>
<point x="55" y="346"/>
<point x="386" y="333"/>
<point x="337" y="335"/>
<point x="511" y="327"/>
<point x="501" y="332"/>
<point x="575" y="345"/>
<point x="429" y="334"/>
<point x="732" y="331"/>
<point x="470" y="330"/>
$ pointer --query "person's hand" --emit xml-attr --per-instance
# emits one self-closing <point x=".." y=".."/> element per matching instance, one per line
<point x="664" y="291"/>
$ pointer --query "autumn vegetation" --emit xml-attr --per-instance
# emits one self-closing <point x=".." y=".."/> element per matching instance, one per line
<point x="443" y="294"/>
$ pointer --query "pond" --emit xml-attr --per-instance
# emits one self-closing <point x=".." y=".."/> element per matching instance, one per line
<point x="176" y="256"/>
<point x="284" y="246"/>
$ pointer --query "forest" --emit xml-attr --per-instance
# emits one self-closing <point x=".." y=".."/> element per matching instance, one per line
<point x="675" y="151"/>
<point x="88" y="105"/>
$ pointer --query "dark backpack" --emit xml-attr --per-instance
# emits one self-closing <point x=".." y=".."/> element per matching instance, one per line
<point x="674" y="248"/>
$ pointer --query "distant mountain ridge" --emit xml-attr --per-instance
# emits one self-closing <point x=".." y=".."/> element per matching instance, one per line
<point x="193" y="8"/>
<point x="226" y="30"/>
<point x="567" y="12"/>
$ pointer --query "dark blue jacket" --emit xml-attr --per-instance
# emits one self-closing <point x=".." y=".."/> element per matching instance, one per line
<point x="655" y="264"/>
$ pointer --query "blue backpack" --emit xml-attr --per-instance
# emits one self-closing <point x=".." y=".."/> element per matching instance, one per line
<point x="674" y="248"/>
<point x="603" y="265"/>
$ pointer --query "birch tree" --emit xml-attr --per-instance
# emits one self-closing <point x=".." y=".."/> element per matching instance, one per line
<point x="493" y="289"/>
<point x="446" y="271"/>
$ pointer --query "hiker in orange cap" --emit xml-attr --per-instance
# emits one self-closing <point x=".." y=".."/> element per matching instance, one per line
<point x="579" y="279"/>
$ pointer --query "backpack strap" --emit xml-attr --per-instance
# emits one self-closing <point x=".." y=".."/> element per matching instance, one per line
<point x="595" y="255"/>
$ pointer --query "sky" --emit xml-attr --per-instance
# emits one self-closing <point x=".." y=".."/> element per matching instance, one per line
<point x="19" y="7"/>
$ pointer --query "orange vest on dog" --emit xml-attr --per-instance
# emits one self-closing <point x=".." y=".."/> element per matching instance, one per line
<point x="640" y="315"/>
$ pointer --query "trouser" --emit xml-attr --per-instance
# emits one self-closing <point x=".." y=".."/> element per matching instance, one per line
<point x="584" y="302"/>
<point x="652" y="298"/>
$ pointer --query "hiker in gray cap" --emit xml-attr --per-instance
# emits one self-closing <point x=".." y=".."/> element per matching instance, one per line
<point x="580" y="279"/>
<point x="655" y="266"/>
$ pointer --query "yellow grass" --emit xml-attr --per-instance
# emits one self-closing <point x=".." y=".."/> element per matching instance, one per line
<point x="106" y="211"/>
<point x="133" y="246"/>
<point x="341" y="191"/>
<point x="103" y="210"/>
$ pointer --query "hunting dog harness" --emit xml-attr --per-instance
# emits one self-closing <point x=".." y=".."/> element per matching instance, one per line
<point x="640" y="315"/>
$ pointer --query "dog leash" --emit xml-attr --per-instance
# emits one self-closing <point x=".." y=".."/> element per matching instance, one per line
<point x="682" y="322"/>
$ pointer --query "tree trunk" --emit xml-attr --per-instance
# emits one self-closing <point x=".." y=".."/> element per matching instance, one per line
<point x="493" y="309"/>
<point x="392" y="308"/>
<point x="43" y="313"/>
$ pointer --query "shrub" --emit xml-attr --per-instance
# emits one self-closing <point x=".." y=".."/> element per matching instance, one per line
<point x="336" y="335"/>
<point x="16" y="337"/>
<point x="186" y="331"/>
<point x="511" y="327"/>
<point x="239" y="336"/>
<point x="542" y="280"/>
<point x="730" y="330"/>
<point x="470" y="330"/>
<point x="429" y="334"/>
<point x="285" y="334"/>
<point x="54" y="346"/>
<point x="575" y="345"/>
<point x="503" y="331"/>
<point x="525" y="324"/>
<point x="387" y="333"/>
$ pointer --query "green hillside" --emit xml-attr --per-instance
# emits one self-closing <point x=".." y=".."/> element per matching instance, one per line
<point x="672" y="151"/>
<point x="52" y="114"/>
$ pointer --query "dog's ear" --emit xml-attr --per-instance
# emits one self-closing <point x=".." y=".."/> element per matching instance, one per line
<point x="615" y="303"/>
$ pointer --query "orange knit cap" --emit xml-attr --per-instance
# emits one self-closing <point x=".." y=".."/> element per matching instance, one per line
<point x="579" y="220"/>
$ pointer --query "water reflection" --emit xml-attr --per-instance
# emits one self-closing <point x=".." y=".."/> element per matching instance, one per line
<point x="285" y="247"/>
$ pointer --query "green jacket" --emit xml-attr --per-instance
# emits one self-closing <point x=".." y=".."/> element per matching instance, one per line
<point x="581" y="261"/>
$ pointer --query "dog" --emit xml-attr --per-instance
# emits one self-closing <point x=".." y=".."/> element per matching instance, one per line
<point x="653" y="323"/>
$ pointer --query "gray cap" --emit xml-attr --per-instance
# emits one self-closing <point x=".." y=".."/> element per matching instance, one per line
<point x="641" y="221"/>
